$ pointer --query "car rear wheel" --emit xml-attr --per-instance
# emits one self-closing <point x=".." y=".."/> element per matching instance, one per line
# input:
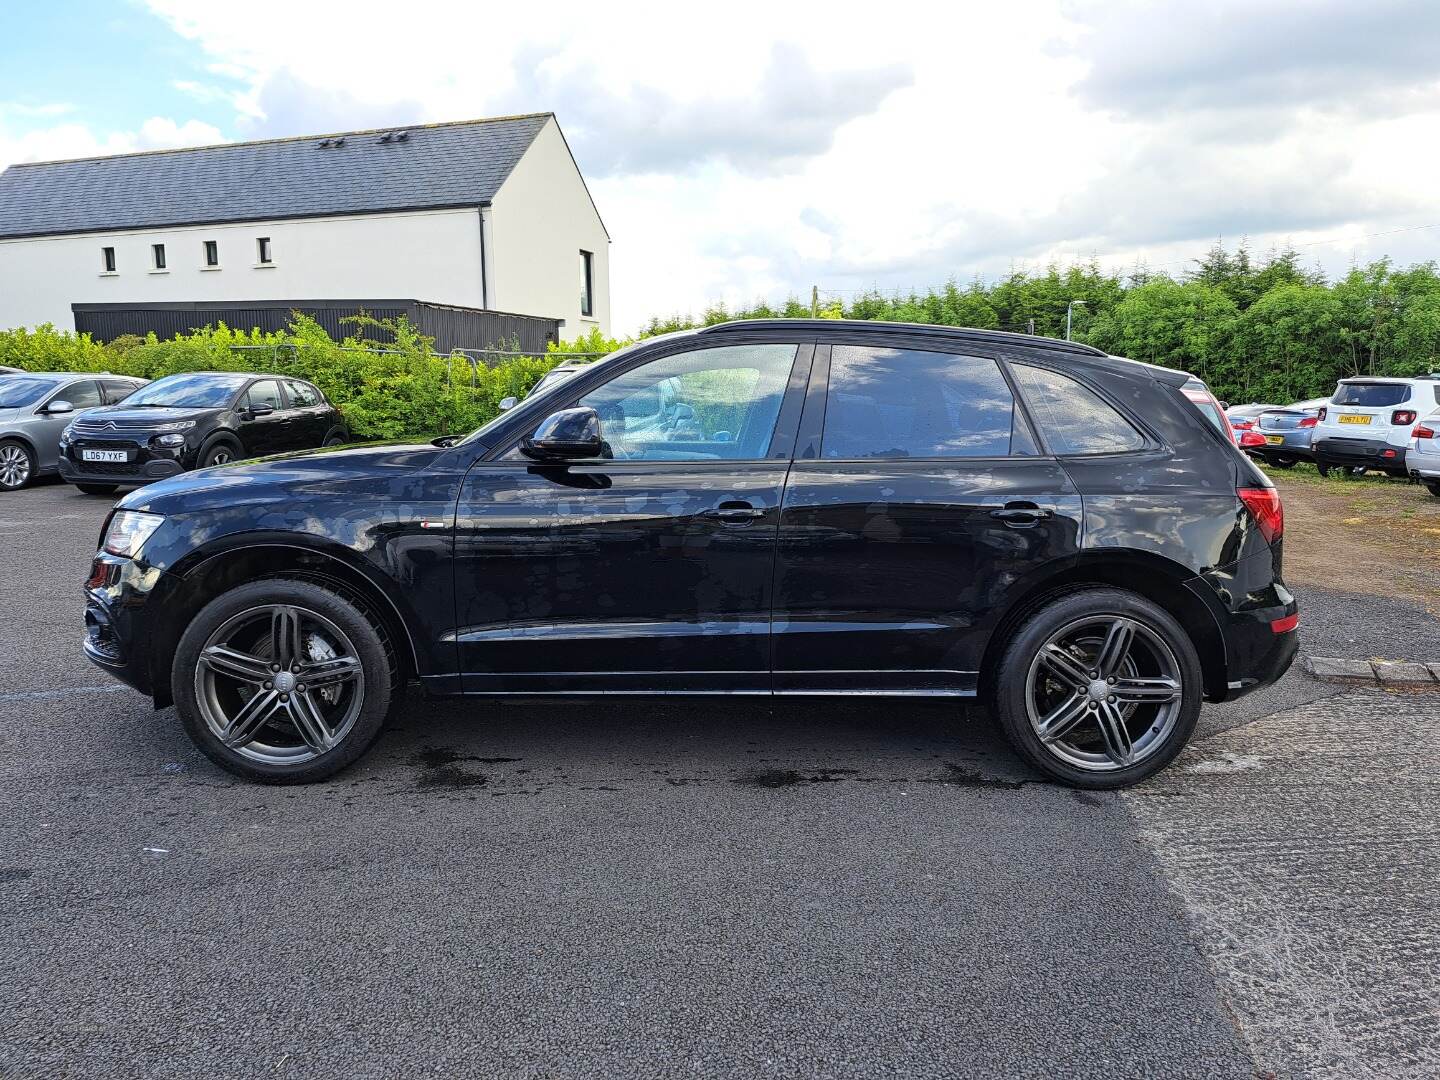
<point x="282" y="681"/>
<point x="17" y="465"/>
<point x="1099" y="688"/>
<point x="97" y="489"/>
<point x="1433" y="487"/>
<point x="335" y="439"/>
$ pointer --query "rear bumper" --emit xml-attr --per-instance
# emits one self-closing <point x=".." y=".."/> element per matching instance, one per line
<point x="1371" y="453"/>
<point x="1253" y="609"/>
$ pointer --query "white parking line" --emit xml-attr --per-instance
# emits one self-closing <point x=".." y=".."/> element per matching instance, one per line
<point x="44" y="695"/>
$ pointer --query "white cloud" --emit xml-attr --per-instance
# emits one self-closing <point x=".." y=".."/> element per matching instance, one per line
<point x="75" y="140"/>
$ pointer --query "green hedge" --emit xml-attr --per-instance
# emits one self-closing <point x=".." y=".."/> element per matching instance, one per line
<point x="393" y="388"/>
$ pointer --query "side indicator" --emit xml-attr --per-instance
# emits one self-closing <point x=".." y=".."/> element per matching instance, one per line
<point x="434" y="524"/>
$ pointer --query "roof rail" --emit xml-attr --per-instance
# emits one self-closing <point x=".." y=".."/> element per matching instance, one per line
<point x="962" y="332"/>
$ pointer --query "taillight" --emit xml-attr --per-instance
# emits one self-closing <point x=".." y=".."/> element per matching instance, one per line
<point x="1251" y="438"/>
<point x="1286" y="624"/>
<point x="1422" y="432"/>
<point x="1242" y="425"/>
<point x="1320" y="415"/>
<point x="1264" y="506"/>
<point x="1311" y="421"/>
<point x="1402" y="416"/>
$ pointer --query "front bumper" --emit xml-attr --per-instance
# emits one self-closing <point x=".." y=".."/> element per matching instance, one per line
<point x="1370" y="453"/>
<point x="143" y="463"/>
<point x="121" y="596"/>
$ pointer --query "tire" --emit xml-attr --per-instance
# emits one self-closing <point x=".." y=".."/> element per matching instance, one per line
<point x="1433" y="486"/>
<point x="1033" y="683"/>
<point x="17" y="465"/>
<point x="1344" y="471"/>
<point x="219" y="452"/>
<point x="335" y="438"/>
<point x="282" y="732"/>
<point x="1284" y="462"/>
<point x="97" y="489"/>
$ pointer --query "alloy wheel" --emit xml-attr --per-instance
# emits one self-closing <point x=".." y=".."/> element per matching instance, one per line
<point x="14" y="466"/>
<point x="1103" y="693"/>
<point x="220" y="456"/>
<point x="280" y="684"/>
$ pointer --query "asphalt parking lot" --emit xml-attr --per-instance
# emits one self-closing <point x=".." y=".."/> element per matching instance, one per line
<point x="821" y="888"/>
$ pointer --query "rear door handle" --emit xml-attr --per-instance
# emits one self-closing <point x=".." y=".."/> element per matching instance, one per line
<point x="737" y="512"/>
<point x="1022" y="515"/>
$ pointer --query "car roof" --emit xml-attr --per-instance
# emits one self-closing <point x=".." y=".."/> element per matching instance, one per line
<point x="1386" y="379"/>
<point x="1087" y="354"/>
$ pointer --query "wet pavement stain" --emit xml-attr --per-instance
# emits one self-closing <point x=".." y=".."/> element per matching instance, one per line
<point x="779" y="778"/>
<point x="963" y="777"/>
<point x="443" y="770"/>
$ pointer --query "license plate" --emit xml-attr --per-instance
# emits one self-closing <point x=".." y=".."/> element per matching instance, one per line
<point x="103" y="455"/>
<point x="1352" y="419"/>
<point x="1274" y="440"/>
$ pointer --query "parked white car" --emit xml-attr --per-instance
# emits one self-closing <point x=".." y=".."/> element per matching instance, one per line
<point x="1367" y="423"/>
<point x="1422" y="457"/>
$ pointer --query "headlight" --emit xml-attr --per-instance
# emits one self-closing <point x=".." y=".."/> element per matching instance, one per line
<point x="69" y="431"/>
<point x="176" y="425"/>
<point x="169" y="440"/>
<point x="129" y="529"/>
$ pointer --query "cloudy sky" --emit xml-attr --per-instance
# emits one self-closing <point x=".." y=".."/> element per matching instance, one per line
<point x="750" y="150"/>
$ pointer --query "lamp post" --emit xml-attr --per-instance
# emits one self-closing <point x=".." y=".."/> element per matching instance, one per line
<point x="1069" y="309"/>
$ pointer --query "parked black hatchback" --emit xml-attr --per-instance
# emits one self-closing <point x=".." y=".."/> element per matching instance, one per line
<point x="194" y="421"/>
<point x="786" y="507"/>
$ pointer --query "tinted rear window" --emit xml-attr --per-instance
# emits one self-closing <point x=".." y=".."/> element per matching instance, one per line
<point x="1071" y="417"/>
<point x="1376" y="395"/>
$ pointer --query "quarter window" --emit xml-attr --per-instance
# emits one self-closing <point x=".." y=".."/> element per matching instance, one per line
<point x="1072" y="417"/>
<point x="718" y="404"/>
<point x="908" y="403"/>
<point x="107" y="259"/>
<point x="587" y="283"/>
<point x="157" y="256"/>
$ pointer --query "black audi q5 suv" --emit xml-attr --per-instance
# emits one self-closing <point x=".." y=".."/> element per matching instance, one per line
<point x="776" y="507"/>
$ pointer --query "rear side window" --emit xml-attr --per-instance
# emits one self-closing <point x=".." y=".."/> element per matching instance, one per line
<point x="302" y="395"/>
<point x="1375" y="395"/>
<point x="909" y="403"/>
<point x="1072" y="418"/>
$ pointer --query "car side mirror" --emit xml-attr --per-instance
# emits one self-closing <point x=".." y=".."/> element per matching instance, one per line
<point x="508" y="403"/>
<point x="566" y="435"/>
<point x="59" y="406"/>
<point x="259" y="410"/>
<point x="1224" y="405"/>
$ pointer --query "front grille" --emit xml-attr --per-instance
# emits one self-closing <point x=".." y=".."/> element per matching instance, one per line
<point x="108" y="468"/>
<point x="109" y="429"/>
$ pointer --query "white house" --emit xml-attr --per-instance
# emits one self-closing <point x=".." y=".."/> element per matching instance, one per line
<point x="490" y="215"/>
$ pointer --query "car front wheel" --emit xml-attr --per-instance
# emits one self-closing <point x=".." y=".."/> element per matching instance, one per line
<point x="1099" y="688"/>
<point x="17" y="465"/>
<point x="282" y="681"/>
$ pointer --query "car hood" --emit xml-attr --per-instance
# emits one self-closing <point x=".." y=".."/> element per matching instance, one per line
<point x="147" y="415"/>
<point x="308" y="468"/>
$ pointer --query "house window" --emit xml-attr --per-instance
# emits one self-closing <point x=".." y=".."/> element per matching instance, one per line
<point x="262" y="250"/>
<point x="587" y="283"/>
<point x="212" y="253"/>
<point x="107" y="259"/>
<point x="157" y="256"/>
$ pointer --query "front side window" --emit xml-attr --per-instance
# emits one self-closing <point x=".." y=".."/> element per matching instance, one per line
<point x="82" y="395"/>
<point x="157" y="256"/>
<point x="587" y="283"/>
<point x="266" y="392"/>
<point x="718" y="404"/>
<point x="212" y="253"/>
<point x="909" y="403"/>
<point x="1071" y="417"/>
<point x="302" y="395"/>
<point x="107" y="259"/>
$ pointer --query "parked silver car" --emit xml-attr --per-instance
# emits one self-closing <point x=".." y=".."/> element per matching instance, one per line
<point x="36" y="406"/>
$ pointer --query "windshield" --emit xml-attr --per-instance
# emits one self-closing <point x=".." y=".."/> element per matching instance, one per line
<point x="1377" y="395"/>
<point x="188" y="391"/>
<point x="16" y="391"/>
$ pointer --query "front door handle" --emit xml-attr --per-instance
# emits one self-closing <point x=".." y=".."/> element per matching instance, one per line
<point x="737" y="512"/>
<point x="1019" y="515"/>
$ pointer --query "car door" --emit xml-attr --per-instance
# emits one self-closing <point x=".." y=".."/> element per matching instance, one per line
<point x="649" y="570"/>
<point x="47" y="426"/>
<point x="262" y="419"/>
<point x="918" y="500"/>
<point x="310" y="418"/>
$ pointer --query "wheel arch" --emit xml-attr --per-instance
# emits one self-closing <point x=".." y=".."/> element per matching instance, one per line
<point x="208" y="574"/>
<point x="1152" y="576"/>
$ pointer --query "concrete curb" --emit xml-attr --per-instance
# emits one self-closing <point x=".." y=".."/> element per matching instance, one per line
<point x="1368" y="673"/>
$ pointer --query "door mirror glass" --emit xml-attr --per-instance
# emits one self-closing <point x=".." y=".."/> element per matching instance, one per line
<point x="260" y="410"/>
<point x="508" y="403"/>
<point x="567" y="435"/>
<point x="59" y="405"/>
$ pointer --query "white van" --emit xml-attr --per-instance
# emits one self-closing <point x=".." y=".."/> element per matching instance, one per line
<point x="1367" y="423"/>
